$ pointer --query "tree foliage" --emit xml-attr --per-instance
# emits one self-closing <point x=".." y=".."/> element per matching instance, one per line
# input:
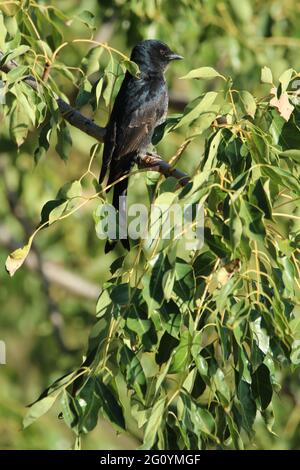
<point x="186" y="344"/>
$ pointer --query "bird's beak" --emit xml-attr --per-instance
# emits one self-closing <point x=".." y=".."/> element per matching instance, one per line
<point x="174" y="56"/>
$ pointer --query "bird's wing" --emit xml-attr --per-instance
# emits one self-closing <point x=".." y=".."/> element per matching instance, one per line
<point x="109" y="147"/>
<point x="140" y="122"/>
<point x="136" y="112"/>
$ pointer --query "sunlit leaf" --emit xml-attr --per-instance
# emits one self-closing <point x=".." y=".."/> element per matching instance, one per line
<point x="203" y="72"/>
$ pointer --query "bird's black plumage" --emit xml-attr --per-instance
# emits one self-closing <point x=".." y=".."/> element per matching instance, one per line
<point x="140" y="106"/>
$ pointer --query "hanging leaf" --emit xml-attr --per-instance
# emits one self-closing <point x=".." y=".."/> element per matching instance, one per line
<point x="135" y="376"/>
<point x="64" y="141"/>
<point x="16" y="258"/>
<point x="153" y="425"/>
<point x="110" y="404"/>
<point x="39" y="408"/>
<point x="261" y="386"/>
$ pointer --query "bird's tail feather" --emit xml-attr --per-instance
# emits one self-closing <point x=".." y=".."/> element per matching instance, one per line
<point x="119" y="203"/>
<point x="102" y="173"/>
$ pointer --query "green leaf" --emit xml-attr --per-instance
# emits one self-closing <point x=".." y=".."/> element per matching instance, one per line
<point x="215" y="243"/>
<point x="98" y="337"/>
<point x="260" y="196"/>
<point x="166" y="348"/>
<point x="260" y="335"/>
<point x="247" y="406"/>
<point x="200" y="362"/>
<point x="266" y="75"/>
<point x="252" y="218"/>
<point x="249" y="103"/>
<point x="168" y="283"/>
<point x="3" y="31"/>
<point x="243" y="11"/>
<point x="17" y="73"/>
<point x="203" y="106"/>
<point x="90" y="405"/>
<point x="110" y="81"/>
<point x="236" y="229"/>
<point x="19" y="123"/>
<point x="282" y="177"/>
<point x="71" y="411"/>
<point x="180" y="358"/>
<point x="170" y="315"/>
<point x="204" y="264"/>
<point x="120" y="294"/>
<point x="184" y="286"/>
<point x="55" y="208"/>
<point x="87" y="18"/>
<point x="39" y="408"/>
<point x="56" y="212"/>
<point x="154" y="423"/>
<point x="44" y="141"/>
<point x="64" y="141"/>
<point x="132" y="68"/>
<point x="90" y="63"/>
<point x="133" y="371"/>
<point x="293" y="154"/>
<point x="64" y="70"/>
<point x="195" y="419"/>
<point x="153" y="291"/>
<point x="70" y="190"/>
<point x="288" y="275"/>
<point x="104" y="301"/>
<point x="84" y="94"/>
<point x="285" y="79"/>
<point x="11" y="55"/>
<point x="110" y="404"/>
<point x="295" y="355"/>
<point x="269" y="419"/>
<point x="98" y="92"/>
<point x="234" y="433"/>
<point x="135" y="323"/>
<point x="261" y="386"/>
<point x="221" y="386"/>
<point x="244" y="366"/>
<point x="213" y="149"/>
<point x="203" y="72"/>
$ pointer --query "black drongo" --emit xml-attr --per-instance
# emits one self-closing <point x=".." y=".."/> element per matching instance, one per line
<point x="140" y="106"/>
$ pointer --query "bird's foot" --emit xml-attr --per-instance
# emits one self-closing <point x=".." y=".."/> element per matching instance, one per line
<point x="148" y="159"/>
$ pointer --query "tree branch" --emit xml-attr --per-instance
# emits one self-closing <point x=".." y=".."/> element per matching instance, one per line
<point x="153" y="162"/>
<point x="76" y="119"/>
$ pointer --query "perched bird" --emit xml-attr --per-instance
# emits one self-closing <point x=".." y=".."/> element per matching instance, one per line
<point x="140" y="106"/>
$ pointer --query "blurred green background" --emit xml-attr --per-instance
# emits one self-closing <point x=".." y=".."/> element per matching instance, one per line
<point x="46" y="316"/>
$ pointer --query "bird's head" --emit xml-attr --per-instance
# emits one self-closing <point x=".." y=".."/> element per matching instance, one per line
<point x="152" y="55"/>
